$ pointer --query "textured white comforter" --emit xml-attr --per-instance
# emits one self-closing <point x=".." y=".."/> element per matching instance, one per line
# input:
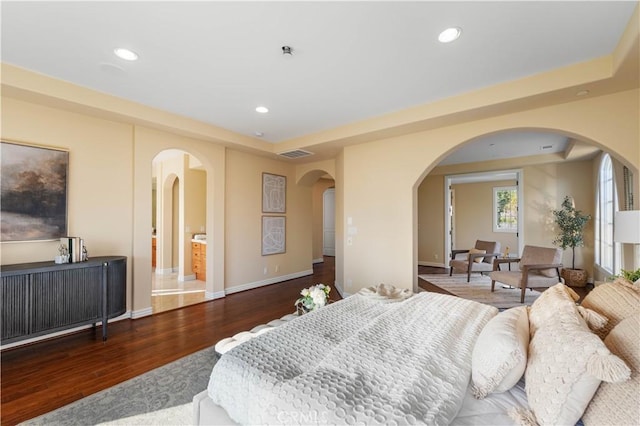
<point x="358" y="360"/>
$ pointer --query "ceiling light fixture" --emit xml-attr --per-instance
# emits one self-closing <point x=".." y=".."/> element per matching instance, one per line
<point x="262" y="109"/>
<point x="287" y="51"/>
<point x="259" y="134"/>
<point x="126" y="54"/>
<point x="582" y="93"/>
<point x="449" y="35"/>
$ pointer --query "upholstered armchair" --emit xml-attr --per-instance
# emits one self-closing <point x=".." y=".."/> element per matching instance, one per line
<point x="538" y="267"/>
<point x="477" y="259"/>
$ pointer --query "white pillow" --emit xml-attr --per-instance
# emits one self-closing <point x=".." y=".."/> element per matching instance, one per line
<point x="499" y="356"/>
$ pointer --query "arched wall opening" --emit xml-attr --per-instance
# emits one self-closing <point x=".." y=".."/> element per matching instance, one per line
<point x="324" y="212"/>
<point x="148" y="144"/>
<point x="543" y="184"/>
<point x="179" y="219"/>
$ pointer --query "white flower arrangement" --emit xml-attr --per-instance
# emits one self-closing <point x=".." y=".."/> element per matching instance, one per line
<point x="313" y="297"/>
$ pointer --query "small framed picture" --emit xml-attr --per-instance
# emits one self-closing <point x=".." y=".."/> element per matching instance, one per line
<point x="273" y="235"/>
<point x="274" y="193"/>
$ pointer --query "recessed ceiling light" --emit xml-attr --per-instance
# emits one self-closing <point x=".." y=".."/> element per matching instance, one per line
<point x="259" y="134"/>
<point x="126" y="54"/>
<point x="582" y="93"/>
<point x="262" y="109"/>
<point x="449" y="35"/>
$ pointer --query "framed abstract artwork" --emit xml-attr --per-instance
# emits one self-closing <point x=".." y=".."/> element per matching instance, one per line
<point x="274" y="193"/>
<point x="33" y="198"/>
<point x="273" y="235"/>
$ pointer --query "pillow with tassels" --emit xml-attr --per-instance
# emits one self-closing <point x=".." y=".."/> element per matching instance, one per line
<point x="566" y="364"/>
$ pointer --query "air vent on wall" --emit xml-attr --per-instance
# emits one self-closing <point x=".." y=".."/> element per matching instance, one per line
<point x="296" y="153"/>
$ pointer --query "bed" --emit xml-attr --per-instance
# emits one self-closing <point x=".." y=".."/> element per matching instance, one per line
<point x="385" y="357"/>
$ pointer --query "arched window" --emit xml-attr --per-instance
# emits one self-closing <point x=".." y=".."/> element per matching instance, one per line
<point x="607" y="252"/>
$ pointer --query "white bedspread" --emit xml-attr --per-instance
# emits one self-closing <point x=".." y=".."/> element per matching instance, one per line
<point x="358" y="360"/>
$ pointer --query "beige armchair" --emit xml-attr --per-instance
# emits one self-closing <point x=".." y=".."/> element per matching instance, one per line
<point x="538" y="267"/>
<point x="478" y="259"/>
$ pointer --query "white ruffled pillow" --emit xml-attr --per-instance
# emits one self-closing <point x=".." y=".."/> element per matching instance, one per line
<point x="500" y="354"/>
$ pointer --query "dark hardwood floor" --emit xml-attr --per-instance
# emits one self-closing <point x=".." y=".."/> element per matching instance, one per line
<point x="41" y="377"/>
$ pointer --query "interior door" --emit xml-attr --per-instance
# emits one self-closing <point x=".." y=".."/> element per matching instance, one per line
<point x="329" y="222"/>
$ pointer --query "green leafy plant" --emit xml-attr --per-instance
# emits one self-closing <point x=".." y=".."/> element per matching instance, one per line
<point x="632" y="276"/>
<point x="570" y="223"/>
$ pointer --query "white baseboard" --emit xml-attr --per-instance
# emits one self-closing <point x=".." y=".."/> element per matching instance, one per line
<point x="340" y="291"/>
<point x="433" y="264"/>
<point x="256" y="284"/>
<point x="142" y="313"/>
<point x="318" y="260"/>
<point x="214" y="295"/>
<point x="187" y="278"/>
<point x="167" y="271"/>
<point x="126" y="315"/>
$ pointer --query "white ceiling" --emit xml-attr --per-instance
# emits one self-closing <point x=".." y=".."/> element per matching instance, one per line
<point x="217" y="61"/>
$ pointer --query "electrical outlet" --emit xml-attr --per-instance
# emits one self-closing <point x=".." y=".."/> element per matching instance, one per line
<point x="435" y="256"/>
<point x="277" y="268"/>
<point x="349" y="241"/>
<point x="265" y="270"/>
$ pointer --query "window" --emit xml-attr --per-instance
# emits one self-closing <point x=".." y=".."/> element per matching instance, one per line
<point x="505" y="209"/>
<point x="607" y="252"/>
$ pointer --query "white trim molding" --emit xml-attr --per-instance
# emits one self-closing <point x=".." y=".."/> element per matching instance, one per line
<point x="142" y="313"/>
<point x="269" y="281"/>
<point x="214" y="295"/>
<point x="318" y="260"/>
<point x="432" y="264"/>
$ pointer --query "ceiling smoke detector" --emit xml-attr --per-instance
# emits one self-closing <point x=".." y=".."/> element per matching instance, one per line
<point x="287" y="51"/>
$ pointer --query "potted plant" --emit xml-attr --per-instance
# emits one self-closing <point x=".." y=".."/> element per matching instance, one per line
<point x="570" y="223"/>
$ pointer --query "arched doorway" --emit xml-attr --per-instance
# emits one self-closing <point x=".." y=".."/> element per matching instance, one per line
<point x="322" y="182"/>
<point x="179" y="227"/>
<point x="549" y="166"/>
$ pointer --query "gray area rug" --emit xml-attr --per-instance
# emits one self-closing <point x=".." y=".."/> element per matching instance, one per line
<point x="160" y="397"/>
<point x="479" y="289"/>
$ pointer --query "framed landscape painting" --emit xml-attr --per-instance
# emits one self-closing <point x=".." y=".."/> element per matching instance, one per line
<point x="33" y="197"/>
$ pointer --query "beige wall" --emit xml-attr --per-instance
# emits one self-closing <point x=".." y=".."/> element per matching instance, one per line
<point x="381" y="178"/>
<point x="318" y="216"/>
<point x="431" y="223"/>
<point x="245" y="264"/>
<point x="376" y="189"/>
<point x="100" y="189"/>
<point x="473" y="215"/>
<point x="544" y="187"/>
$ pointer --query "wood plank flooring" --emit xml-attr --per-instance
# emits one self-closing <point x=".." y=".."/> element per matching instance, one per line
<point x="41" y="377"/>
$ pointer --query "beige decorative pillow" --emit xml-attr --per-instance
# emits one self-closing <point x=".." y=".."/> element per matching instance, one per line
<point x="566" y="361"/>
<point x="619" y="403"/>
<point x="616" y="301"/>
<point x="500" y="353"/>
<point x="476" y="251"/>
<point x="555" y="299"/>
